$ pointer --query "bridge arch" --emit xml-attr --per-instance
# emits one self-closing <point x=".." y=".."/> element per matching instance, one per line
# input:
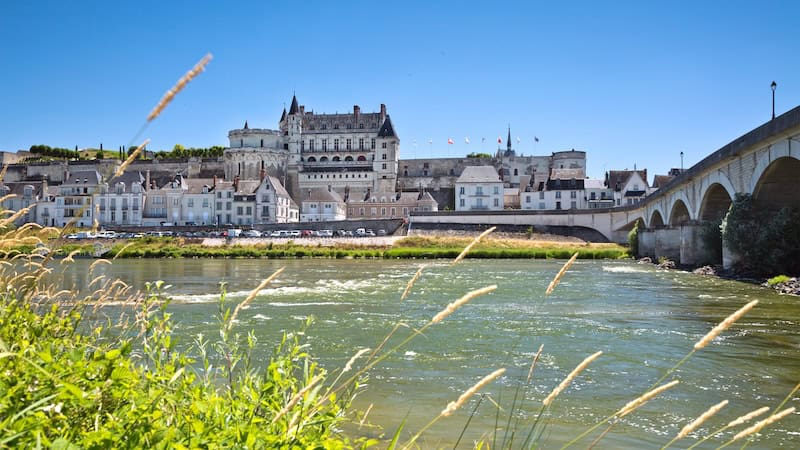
<point x="714" y="203"/>
<point x="656" y="219"/>
<point x="679" y="213"/>
<point x="778" y="183"/>
<point x="782" y="149"/>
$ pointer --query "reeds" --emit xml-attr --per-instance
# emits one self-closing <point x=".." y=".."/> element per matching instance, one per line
<point x="560" y="274"/>
<point x="251" y="296"/>
<point x="453" y="406"/>
<point x="724" y="325"/>
<point x="566" y="381"/>
<point x="471" y="244"/>
<point x="758" y="426"/>
<point x="411" y="282"/>
<point x="131" y="158"/>
<point x="452" y="307"/>
<point x="636" y="403"/>
<point x="182" y="82"/>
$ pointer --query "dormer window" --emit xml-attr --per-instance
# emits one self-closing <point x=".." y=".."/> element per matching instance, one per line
<point x="324" y="126"/>
<point x="336" y="126"/>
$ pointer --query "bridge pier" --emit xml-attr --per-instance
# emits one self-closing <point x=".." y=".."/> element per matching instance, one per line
<point x="694" y="250"/>
<point x="668" y="243"/>
<point x="647" y="243"/>
<point x="729" y="257"/>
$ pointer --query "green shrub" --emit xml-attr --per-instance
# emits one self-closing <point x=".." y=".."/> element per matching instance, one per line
<point x="766" y="241"/>
<point x="778" y="280"/>
<point x="633" y="240"/>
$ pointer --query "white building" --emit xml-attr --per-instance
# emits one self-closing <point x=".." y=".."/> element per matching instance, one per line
<point x="273" y="203"/>
<point x="629" y="186"/>
<point x="479" y="188"/>
<point x="74" y="202"/>
<point x="22" y="195"/>
<point x="322" y="205"/>
<point x="122" y="202"/>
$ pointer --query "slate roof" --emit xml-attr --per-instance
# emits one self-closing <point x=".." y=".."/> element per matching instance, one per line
<point x="84" y="177"/>
<point x="322" y="195"/>
<point x="661" y="180"/>
<point x="479" y="174"/>
<point x="617" y="179"/>
<point x="386" y="129"/>
<point x="294" y="109"/>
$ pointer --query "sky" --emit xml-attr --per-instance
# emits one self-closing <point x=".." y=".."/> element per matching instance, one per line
<point x="633" y="84"/>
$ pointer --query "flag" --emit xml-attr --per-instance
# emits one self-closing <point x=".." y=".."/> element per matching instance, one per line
<point x="466" y="140"/>
<point x="535" y="139"/>
<point x="483" y="140"/>
<point x="450" y="141"/>
<point x="499" y="140"/>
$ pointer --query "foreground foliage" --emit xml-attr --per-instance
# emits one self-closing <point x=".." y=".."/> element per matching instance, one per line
<point x="69" y="383"/>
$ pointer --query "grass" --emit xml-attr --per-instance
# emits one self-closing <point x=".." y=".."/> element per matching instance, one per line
<point x="407" y="248"/>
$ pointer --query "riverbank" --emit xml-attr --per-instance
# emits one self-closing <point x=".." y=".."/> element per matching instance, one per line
<point x="391" y="247"/>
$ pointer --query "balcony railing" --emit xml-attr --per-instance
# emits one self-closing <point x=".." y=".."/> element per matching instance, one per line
<point x="338" y="163"/>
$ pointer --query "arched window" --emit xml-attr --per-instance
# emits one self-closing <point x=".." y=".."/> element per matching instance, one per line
<point x="312" y="159"/>
<point x="336" y="158"/>
<point x="323" y="159"/>
<point x="348" y="158"/>
<point x="516" y="172"/>
<point x="362" y="158"/>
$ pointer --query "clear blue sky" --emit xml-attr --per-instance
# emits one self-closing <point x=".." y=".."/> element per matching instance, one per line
<point x="628" y="82"/>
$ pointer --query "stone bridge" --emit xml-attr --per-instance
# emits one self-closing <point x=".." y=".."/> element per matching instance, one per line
<point x="765" y="162"/>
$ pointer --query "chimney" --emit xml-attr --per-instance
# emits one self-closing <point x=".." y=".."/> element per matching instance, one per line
<point x="101" y="146"/>
<point x="147" y="179"/>
<point x="44" y="187"/>
<point x="263" y="174"/>
<point x="383" y="112"/>
<point x="236" y="183"/>
<point x="302" y="110"/>
<point x="356" y="111"/>
<point x="214" y="182"/>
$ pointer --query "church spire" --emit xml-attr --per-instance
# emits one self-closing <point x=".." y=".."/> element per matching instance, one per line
<point x="508" y="141"/>
<point x="294" y="109"/>
<point x="283" y="116"/>
<point x="245" y="125"/>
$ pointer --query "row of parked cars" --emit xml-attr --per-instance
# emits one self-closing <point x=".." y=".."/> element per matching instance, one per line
<point x="232" y="233"/>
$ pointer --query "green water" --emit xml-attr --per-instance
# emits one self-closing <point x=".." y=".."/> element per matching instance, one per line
<point x="644" y="320"/>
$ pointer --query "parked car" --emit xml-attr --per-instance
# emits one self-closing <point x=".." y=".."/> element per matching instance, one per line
<point x="360" y="232"/>
<point x="276" y="233"/>
<point x="234" y="232"/>
<point x="370" y="233"/>
<point x="306" y="233"/>
<point x="325" y="233"/>
<point x="252" y="233"/>
<point x="381" y="232"/>
<point x="294" y="233"/>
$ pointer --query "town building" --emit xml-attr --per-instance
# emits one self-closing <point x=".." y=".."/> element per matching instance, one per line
<point x="392" y="206"/>
<point x="322" y="205"/>
<point x="629" y="186"/>
<point x="479" y="188"/>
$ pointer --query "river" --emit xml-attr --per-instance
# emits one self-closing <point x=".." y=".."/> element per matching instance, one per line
<point x="643" y="319"/>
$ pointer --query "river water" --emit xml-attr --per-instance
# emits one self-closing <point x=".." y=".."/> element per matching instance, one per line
<point x="644" y="320"/>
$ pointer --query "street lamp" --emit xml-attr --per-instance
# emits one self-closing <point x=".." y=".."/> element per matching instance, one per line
<point x="681" y="162"/>
<point x="773" y="86"/>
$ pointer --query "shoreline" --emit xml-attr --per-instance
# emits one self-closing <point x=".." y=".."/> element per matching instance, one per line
<point x="386" y="247"/>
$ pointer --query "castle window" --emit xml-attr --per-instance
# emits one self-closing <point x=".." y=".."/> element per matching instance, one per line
<point x="323" y="159"/>
<point x="362" y="158"/>
<point x="383" y="144"/>
<point x="336" y="158"/>
<point x="302" y="146"/>
<point x="361" y="143"/>
<point x="324" y="145"/>
<point x="349" y="126"/>
<point x="336" y="144"/>
<point x="311" y="127"/>
<point x="516" y="172"/>
<point x="361" y="126"/>
<point x="349" y="144"/>
<point x="372" y="144"/>
<point x="383" y="166"/>
<point x="405" y="173"/>
<point x="324" y="126"/>
<point x="311" y="145"/>
<point x="336" y="126"/>
<point x="383" y="156"/>
<point x="241" y="142"/>
<point x="312" y="159"/>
